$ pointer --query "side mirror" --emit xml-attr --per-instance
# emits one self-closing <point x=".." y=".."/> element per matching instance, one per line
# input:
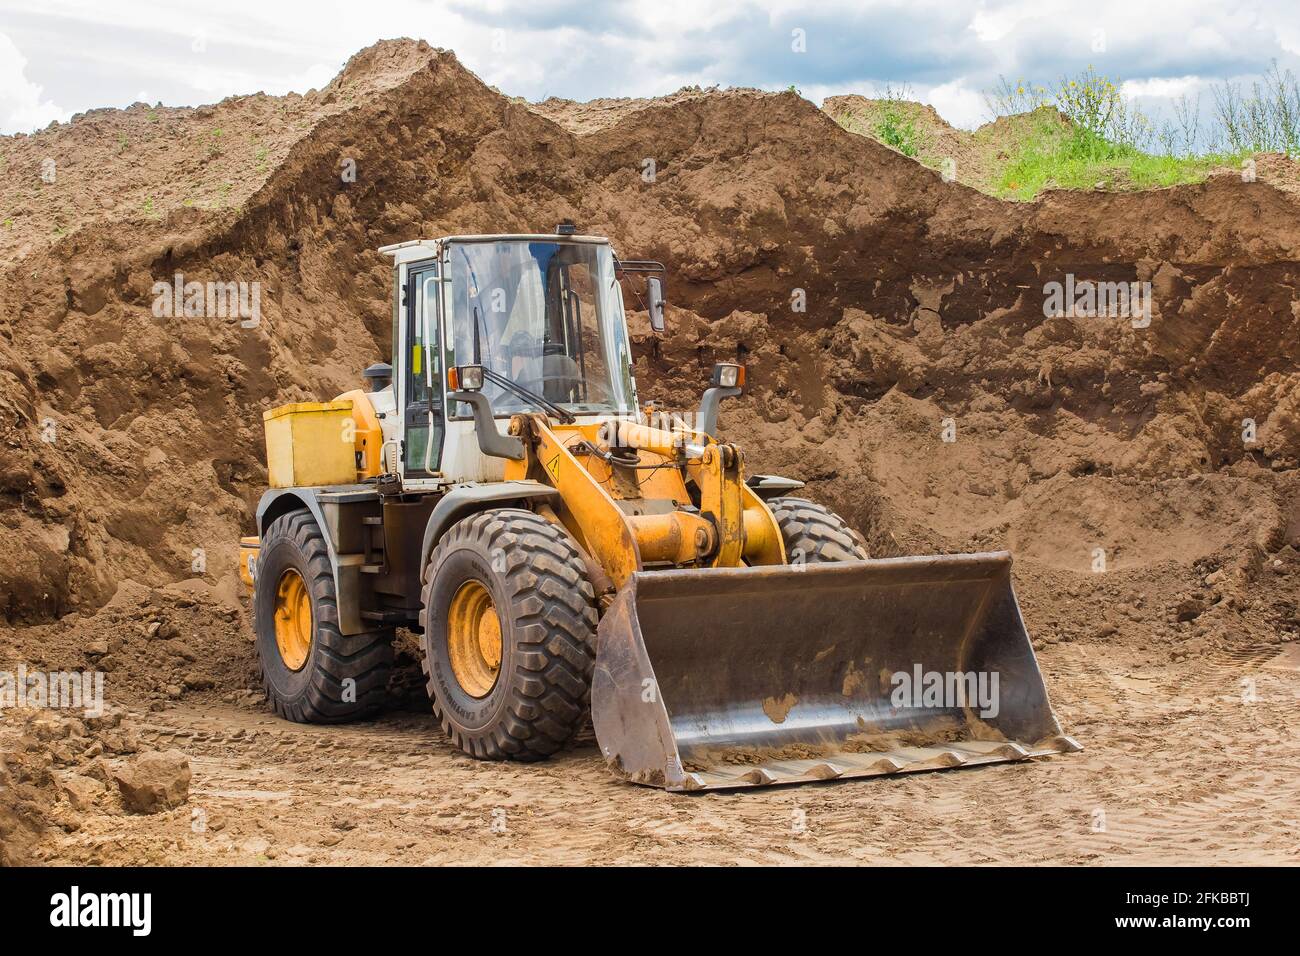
<point x="655" y="302"/>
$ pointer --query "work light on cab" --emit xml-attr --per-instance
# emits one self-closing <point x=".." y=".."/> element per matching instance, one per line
<point x="729" y="375"/>
<point x="465" y="378"/>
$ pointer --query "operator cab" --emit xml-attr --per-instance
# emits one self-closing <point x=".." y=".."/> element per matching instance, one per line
<point x="541" y="315"/>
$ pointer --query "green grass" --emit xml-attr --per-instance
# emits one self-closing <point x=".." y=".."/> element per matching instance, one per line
<point x="1080" y="159"/>
<point x="895" y="128"/>
<point x="898" y="131"/>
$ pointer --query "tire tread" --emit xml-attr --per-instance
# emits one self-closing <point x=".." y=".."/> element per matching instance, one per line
<point x="817" y="532"/>
<point x="555" y="624"/>
<point x="366" y="658"/>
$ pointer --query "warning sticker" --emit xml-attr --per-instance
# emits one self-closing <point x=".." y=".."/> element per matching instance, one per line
<point x="553" y="466"/>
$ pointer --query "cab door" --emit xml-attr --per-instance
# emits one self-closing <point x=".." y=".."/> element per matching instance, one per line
<point x="422" y="411"/>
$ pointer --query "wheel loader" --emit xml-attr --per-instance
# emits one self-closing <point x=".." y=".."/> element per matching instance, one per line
<point x="565" y="553"/>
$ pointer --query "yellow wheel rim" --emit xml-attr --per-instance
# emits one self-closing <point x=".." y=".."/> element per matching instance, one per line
<point x="293" y="623"/>
<point x="474" y="639"/>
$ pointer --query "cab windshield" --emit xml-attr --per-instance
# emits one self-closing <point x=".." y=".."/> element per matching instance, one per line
<point x="546" y="315"/>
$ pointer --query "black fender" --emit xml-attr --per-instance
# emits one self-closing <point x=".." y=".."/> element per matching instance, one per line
<point x="464" y="500"/>
<point x="772" y="486"/>
<point x="278" y="501"/>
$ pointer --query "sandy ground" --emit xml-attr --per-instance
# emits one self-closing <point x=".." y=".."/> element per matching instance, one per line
<point x="1179" y="768"/>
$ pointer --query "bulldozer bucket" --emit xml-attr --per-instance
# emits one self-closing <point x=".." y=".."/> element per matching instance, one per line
<point x="737" y="677"/>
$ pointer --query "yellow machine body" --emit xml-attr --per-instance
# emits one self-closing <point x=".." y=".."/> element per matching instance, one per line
<point x="310" y="444"/>
<point x="367" y="436"/>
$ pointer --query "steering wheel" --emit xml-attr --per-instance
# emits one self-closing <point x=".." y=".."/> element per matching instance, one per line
<point x="561" y="375"/>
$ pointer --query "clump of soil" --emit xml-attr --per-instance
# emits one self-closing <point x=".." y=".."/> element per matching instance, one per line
<point x="152" y="646"/>
<point x="56" y="766"/>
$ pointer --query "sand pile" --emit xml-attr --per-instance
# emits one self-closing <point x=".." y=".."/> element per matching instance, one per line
<point x="899" y="360"/>
<point x="879" y="309"/>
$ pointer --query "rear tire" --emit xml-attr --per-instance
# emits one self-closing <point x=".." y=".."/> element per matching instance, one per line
<point x="509" y="641"/>
<point x="814" y="534"/>
<point x="311" y="672"/>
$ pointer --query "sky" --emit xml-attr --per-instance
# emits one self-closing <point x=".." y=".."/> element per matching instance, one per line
<point x="60" y="57"/>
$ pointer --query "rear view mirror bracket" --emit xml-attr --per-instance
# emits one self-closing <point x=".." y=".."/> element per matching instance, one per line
<point x="708" y="415"/>
<point x="656" y="300"/>
<point x="490" y="440"/>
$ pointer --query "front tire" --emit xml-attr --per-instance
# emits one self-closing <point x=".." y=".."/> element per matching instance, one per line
<point x="311" y="671"/>
<point x="814" y="534"/>
<point x="509" y="641"/>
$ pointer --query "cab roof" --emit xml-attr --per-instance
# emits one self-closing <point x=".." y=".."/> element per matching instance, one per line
<point x="394" y="249"/>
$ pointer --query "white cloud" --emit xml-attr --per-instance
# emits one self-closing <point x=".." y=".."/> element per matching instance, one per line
<point x="1165" y="87"/>
<point x="958" y="104"/>
<point x="82" y="54"/>
<point x="990" y="26"/>
<point x="23" y="106"/>
<point x="1208" y="40"/>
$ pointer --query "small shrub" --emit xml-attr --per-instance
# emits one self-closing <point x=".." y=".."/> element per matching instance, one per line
<point x="896" y="127"/>
<point x="897" y="132"/>
<point x="1264" y="119"/>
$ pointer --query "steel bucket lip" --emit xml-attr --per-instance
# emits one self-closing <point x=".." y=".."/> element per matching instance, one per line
<point x="840" y="767"/>
<point x="990" y="559"/>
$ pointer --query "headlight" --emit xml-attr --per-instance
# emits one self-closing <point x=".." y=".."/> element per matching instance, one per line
<point x="465" y="378"/>
<point x="729" y="375"/>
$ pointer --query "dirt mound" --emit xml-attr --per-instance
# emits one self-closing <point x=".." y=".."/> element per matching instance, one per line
<point x="151" y="645"/>
<point x="594" y="116"/>
<point x="144" y="164"/>
<point x="880" y="310"/>
<point x="976" y="157"/>
<point x="980" y="158"/>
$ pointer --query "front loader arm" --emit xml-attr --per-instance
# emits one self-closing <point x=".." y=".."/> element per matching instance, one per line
<point x="717" y="474"/>
<point x="589" y="512"/>
<point x="631" y="518"/>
